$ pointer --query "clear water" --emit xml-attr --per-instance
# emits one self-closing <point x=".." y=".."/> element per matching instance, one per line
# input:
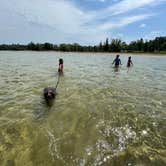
<point x="100" y="116"/>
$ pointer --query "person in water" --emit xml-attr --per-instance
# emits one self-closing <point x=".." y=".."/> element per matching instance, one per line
<point x="117" y="61"/>
<point x="129" y="62"/>
<point x="60" y="69"/>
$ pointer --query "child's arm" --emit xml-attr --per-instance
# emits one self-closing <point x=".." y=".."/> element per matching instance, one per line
<point x="113" y="61"/>
<point x="132" y="63"/>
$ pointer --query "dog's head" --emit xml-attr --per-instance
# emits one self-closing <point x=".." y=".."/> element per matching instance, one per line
<point x="49" y="93"/>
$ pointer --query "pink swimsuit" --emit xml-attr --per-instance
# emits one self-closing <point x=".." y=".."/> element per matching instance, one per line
<point x="61" y="67"/>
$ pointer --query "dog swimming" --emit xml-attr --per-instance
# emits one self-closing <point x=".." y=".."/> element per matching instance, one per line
<point x="49" y="93"/>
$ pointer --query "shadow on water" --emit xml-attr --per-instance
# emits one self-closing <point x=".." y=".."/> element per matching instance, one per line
<point x="42" y="108"/>
<point x="48" y="103"/>
<point x="129" y="69"/>
<point x="116" y="69"/>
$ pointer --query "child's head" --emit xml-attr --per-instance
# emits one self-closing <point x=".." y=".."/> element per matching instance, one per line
<point x="129" y="57"/>
<point x="61" y="61"/>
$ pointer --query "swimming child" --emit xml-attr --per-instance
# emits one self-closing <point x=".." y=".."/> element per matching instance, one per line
<point x="129" y="62"/>
<point x="60" y="69"/>
<point x="117" y="61"/>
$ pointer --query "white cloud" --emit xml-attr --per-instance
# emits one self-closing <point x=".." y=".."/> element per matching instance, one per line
<point x="61" y="15"/>
<point x="123" y="6"/>
<point x="153" y="34"/>
<point x="124" y="21"/>
<point x="67" y="22"/>
<point x="142" y="25"/>
<point x="97" y="0"/>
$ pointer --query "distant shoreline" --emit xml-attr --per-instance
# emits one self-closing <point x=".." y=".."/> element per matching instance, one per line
<point x="114" y="53"/>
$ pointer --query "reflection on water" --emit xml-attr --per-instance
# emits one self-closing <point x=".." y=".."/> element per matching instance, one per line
<point x="99" y="117"/>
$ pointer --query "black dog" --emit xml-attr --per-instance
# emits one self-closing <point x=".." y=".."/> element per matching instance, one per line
<point x="49" y="94"/>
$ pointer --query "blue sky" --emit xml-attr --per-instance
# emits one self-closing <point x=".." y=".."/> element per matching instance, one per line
<point x="82" y="21"/>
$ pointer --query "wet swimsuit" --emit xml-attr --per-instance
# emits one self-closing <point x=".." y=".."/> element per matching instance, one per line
<point x="61" y="67"/>
<point x="117" y="62"/>
<point x="129" y="63"/>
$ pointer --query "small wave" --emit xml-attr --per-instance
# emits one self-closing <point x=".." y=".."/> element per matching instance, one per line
<point x="53" y="150"/>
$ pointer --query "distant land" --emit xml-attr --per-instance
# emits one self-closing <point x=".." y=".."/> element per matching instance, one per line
<point x="157" y="45"/>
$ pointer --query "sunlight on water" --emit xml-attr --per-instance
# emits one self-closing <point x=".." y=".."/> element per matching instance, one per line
<point x="100" y="116"/>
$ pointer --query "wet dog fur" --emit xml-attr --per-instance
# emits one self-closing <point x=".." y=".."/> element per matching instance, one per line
<point x="49" y="93"/>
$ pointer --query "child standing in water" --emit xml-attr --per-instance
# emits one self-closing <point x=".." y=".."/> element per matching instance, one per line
<point x="60" y="69"/>
<point x="117" y="61"/>
<point x="129" y="62"/>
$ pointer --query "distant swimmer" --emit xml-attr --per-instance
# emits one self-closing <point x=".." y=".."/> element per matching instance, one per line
<point x="60" y="69"/>
<point x="117" y="61"/>
<point x="129" y="62"/>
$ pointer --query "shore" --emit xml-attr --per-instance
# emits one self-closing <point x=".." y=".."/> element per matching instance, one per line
<point x="104" y="53"/>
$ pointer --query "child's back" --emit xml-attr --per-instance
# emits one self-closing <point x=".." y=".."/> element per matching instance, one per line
<point x="60" y="69"/>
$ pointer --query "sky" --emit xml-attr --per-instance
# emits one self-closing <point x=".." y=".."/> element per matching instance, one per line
<point x="86" y="22"/>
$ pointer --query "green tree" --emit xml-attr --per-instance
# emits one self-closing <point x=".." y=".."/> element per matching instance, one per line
<point x="31" y="46"/>
<point x="115" y="45"/>
<point x="106" y="45"/>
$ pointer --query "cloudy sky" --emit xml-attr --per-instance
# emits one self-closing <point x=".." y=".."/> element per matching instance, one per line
<point x="81" y="21"/>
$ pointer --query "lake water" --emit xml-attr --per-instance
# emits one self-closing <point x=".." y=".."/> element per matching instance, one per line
<point x="100" y="116"/>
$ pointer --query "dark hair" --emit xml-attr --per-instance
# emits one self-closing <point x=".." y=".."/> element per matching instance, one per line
<point x="60" y="61"/>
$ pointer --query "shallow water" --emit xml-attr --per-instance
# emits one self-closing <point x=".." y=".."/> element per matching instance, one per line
<point x="100" y="116"/>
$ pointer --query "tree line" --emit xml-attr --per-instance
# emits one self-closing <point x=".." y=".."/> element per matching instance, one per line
<point x="114" y="45"/>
